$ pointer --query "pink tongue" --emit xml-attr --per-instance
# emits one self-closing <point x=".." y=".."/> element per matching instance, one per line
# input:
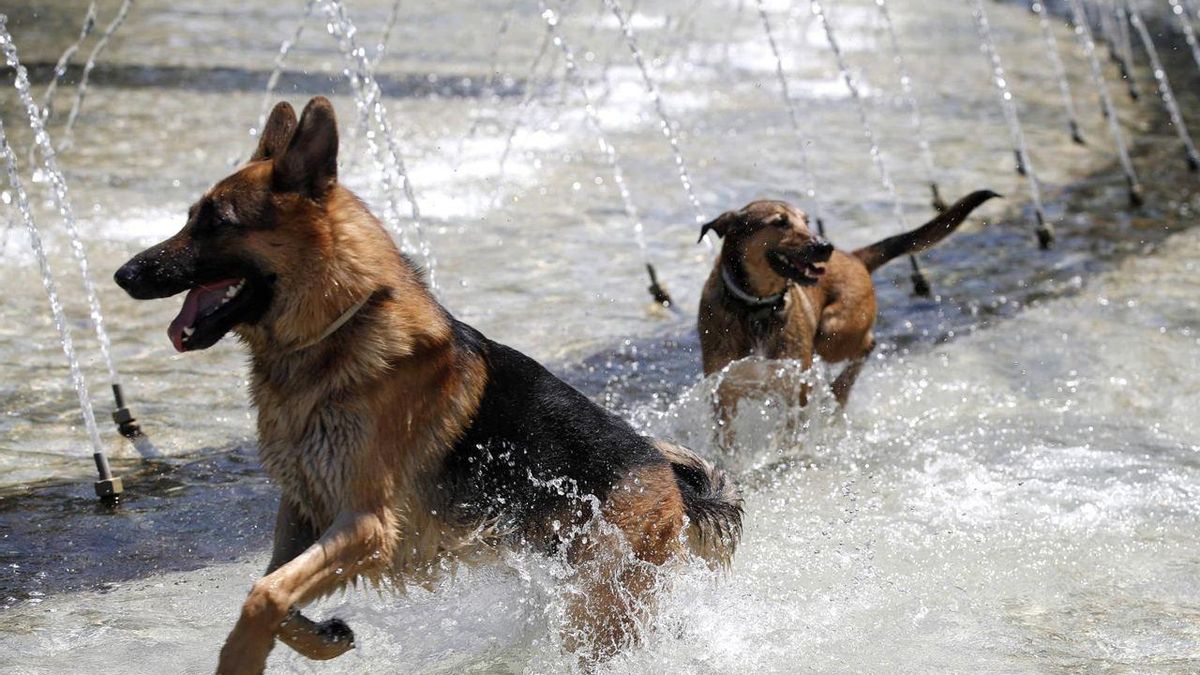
<point x="199" y="299"/>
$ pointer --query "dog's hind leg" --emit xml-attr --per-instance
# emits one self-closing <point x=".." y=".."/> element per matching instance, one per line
<point x="618" y="578"/>
<point x="354" y="544"/>
<point x="841" y="386"/>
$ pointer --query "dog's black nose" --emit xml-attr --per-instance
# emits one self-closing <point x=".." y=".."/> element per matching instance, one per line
<point x="127" y="276"/>
<point x="823" y="248"/>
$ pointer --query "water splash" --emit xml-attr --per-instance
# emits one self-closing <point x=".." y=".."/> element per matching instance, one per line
<point x="914" y="108"/>
<point x="368" y="96"/>
<point x="668" y="129"/>
<point x="60" y="68"/>
<point x="61" y="199"/>
<point x="1009" y="106"/>
<point x="1060" y="71"/>
<point x="1164" y="89"/>
<point x="1084" y="34"/>
<point x="920" y="285"/>
<point x="285" y="48"/>
<point x="68" y="135"/>
<point x="50" y="286"/>
<point x="1185" y="24"/>
<point x="610" y="152"/>
<point x="806" y="172"/>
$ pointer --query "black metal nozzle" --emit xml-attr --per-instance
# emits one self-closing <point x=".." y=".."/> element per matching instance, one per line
<point x="1136" y="197"/>
<point x="656" y="289"/>
<point x="821" y="226"/>
<point x="109" y="487"/>
<point x="937" y="203"/>
<point x="1076" y="135"/>
<point x="126" y="424"/>
<point x="1020" y="163"/>
<point x="1045" y="233"/>
<point x="921" y="287"/>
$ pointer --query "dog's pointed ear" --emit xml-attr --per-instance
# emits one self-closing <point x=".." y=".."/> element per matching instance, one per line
<point x="309" y="164"/>
<point x="720" y="225"/>
<point x="276" y="132"/>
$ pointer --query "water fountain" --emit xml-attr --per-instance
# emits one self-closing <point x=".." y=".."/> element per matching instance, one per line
<point x="386" y="35"/>
<point x="1045" y="234"/>
<point x="1165" y="91"/>
<point x="493" y="75"/>
<point x="522" y="110"/>
<point x="1111" y="34"/>
<point x="920" y="283"/>
<point x="60" y="68"/>
<point x="124" y="419"/>
<point x="1185" y="24"/>
<point x="68" y="136"/>
<point x="1180" y="11"/>
<point x="1084" y="34"/>
<point x="667" y="127"/>
<point x="657" y="291"/>
<point x="810" y="181"/>
<point x="1125" y="46"/>
<point x="1060" y="71"/>
<point x="914" y="108"/>
<point x="369" y="97"/>
<point x="285" y="48"/>
<point x="109" y="487"/>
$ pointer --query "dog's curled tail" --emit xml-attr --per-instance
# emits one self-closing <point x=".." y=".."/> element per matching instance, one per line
<point x="879" y="253"/>
<point x="711" y="501"/>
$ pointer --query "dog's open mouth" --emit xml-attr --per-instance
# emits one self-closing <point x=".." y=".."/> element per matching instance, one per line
<point x="805" y="272"/>
<point x="206" y="313"/>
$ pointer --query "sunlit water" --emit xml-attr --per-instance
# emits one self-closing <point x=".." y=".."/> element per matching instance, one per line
<point x="1013" y="487"/>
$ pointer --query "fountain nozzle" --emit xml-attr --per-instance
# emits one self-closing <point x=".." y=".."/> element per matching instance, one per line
<point x="921" y="287"/>
<point x="937" y="203"/>
<point x="109" y="488"/>
<point x="656" y="289"/>
<point x="1136" y="198"/>
<point x="1076" y="135"/>
<point x="126" y="424"/>
<point x="1045" y="233"/>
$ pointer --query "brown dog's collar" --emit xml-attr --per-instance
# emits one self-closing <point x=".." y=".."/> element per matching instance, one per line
<point x="775" y="301"/>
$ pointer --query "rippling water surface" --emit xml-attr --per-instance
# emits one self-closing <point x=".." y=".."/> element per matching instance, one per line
<point x="1012" y="488"/>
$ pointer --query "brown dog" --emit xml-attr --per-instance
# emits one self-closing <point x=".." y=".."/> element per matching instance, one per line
<point x="780" y="292"/>
<point x="400" y="437"/>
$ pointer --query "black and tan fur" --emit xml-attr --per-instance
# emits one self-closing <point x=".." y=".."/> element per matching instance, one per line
<point x="799" y="296"/>
<point x="404" y="437"/>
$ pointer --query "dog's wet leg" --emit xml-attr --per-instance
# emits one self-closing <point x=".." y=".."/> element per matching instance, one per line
<point x="848" y="376"/>
<point x="317" y="641"/>
<point x="348" y="548"/>
<point x="617" y="563"/>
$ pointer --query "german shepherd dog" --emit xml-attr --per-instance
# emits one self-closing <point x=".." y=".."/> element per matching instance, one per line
<point x="400" y="437"/>
<point x="778" y="291"/>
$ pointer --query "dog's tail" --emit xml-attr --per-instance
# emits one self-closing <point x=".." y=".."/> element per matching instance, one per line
<point x="711" y="501"/>
<point x="879" y="253"/>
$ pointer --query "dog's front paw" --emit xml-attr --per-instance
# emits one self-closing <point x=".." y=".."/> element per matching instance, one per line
<point x="318" y="641"/>
<point x="337" y="634"/>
